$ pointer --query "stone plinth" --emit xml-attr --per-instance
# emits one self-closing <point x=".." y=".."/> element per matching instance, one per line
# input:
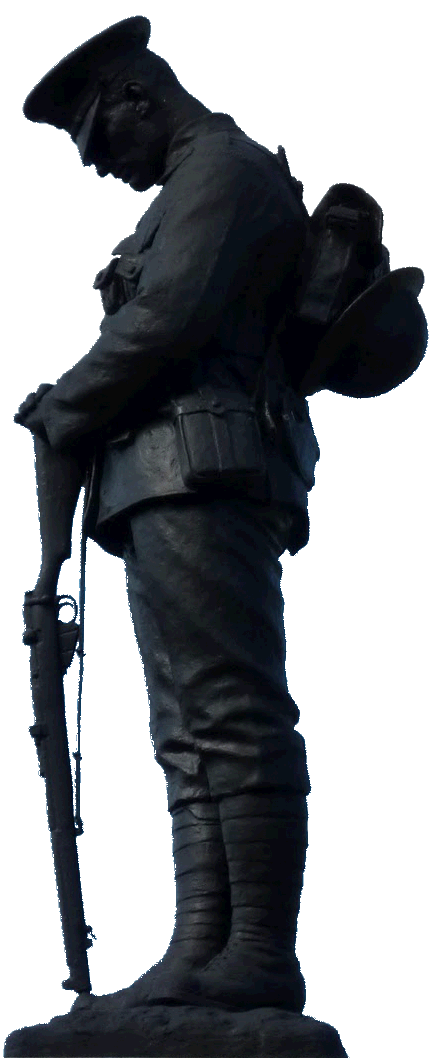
<point x="177" y="1032"/>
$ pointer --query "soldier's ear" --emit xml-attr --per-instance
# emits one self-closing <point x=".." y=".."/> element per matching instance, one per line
<point x="136" y="93"/>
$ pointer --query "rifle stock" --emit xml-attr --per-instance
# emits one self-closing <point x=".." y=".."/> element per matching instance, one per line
<point x="59" y="478"/>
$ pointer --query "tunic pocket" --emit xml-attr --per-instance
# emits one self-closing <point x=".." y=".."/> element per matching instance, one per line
<point x="118" y="282"/>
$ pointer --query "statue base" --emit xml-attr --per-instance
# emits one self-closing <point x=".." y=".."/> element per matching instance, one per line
<point x="177" y="1032"/>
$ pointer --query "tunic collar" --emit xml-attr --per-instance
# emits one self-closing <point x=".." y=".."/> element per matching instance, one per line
<point x="183" y="142"/>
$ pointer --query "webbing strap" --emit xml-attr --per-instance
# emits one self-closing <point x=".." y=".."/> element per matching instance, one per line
<point x="80" y="651"/>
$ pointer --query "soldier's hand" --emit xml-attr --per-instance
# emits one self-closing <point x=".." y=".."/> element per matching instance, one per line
<point x="29" y="412"/>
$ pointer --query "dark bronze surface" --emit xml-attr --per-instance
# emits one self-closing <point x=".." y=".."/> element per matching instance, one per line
<point x="189" y="415"/>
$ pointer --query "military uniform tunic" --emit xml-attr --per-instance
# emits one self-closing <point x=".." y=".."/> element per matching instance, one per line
<point x="192" y="300"/>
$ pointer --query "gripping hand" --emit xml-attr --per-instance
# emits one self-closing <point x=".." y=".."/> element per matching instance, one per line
<point x="29" y="413"/>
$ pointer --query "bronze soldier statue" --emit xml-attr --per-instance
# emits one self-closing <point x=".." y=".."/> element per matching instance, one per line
<point x="225" y="308"/>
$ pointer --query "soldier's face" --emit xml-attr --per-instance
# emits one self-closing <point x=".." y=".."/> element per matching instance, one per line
<point x="130" y="141"/>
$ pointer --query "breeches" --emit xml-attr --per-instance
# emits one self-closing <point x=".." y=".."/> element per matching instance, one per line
<point x="204" y="591"/>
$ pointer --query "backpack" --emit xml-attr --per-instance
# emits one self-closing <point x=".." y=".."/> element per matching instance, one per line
<point x="354" y="327"/>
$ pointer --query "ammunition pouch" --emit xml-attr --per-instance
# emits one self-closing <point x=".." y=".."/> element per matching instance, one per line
<point x="218" y="439"/>
<point x="297" y="437"/>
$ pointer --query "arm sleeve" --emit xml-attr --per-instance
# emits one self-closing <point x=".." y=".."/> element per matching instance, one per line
<point x="198" y="261"/>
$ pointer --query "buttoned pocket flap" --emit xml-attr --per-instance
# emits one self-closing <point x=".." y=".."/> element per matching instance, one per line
<point x="129" y="266"/>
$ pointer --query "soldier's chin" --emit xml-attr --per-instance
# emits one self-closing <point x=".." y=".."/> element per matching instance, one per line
<point x="140" y="181"/>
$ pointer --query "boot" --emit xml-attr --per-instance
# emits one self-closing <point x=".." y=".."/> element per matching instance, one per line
<point x="202" y="920"/>
<point x="265" y="837"/>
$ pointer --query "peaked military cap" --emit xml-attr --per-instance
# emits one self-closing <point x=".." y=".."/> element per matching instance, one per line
<point x="68" y="96"/>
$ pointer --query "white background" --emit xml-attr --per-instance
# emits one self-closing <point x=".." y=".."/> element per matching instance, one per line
<point x="345" y="88"/>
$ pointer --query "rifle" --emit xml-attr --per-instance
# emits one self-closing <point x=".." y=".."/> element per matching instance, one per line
<point x="52" y="645"/>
